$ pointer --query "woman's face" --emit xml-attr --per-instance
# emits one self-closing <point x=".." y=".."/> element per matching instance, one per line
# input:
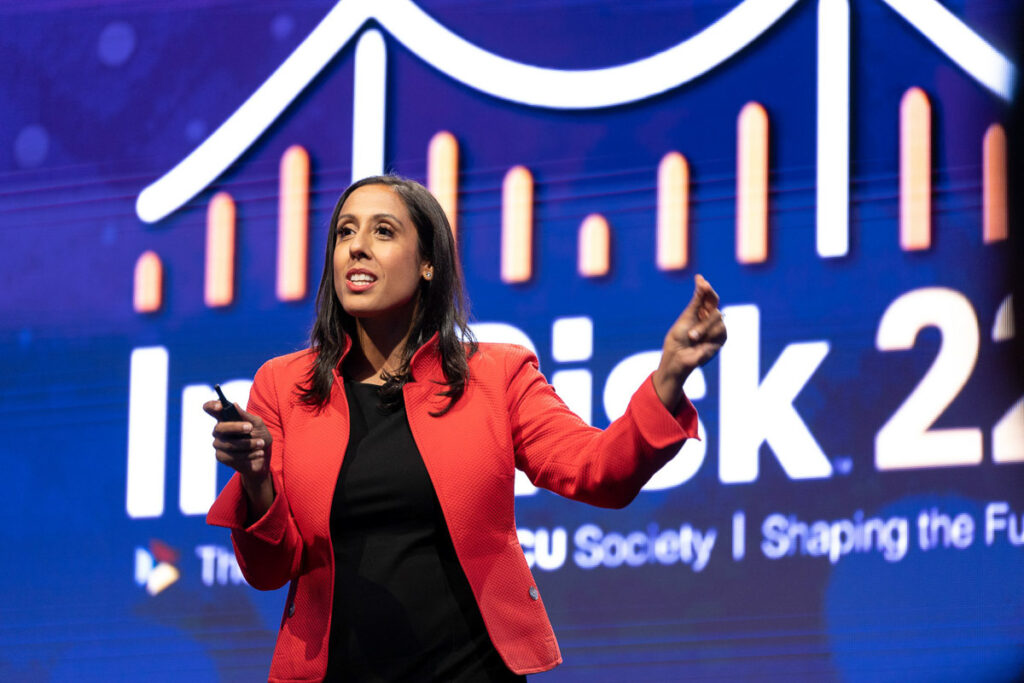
<point x="377" y="262"/>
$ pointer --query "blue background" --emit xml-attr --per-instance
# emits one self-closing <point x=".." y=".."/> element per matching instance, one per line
<point x="97" y="101"/>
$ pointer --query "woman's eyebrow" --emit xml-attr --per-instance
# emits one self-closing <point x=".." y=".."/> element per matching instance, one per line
<point x="377" y="216"/>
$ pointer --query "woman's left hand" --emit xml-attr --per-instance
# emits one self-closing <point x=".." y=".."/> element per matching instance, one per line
<point x="693" y="340"/>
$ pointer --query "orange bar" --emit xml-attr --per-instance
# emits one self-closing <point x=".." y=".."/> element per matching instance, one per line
<point x="672" y="251"/>
<point x="993" y="185"/>
<point x="752" y="184"/>
<point x="915" y="170"/>
<point x="443" y="174"/>
<point x="149" y="281"/>
<point x="293" y="224"/>
<point x="594" y="246"/>
<point x="517" y="225"/>
<point x="220" y="251"/>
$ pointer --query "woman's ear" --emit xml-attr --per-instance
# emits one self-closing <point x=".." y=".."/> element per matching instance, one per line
<point x="427" y="271"/>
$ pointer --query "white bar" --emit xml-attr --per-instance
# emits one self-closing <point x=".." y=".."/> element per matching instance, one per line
<point x="147" y="432"/>
<point x="369" y="104"/>
<point x="833" y="188"/>
<point x="198" y="482"/>
<point x="572" y="339"/>
<point x="739" y="535"/>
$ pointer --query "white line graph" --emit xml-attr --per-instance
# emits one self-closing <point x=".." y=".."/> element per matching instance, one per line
<point x="567" y="89"/>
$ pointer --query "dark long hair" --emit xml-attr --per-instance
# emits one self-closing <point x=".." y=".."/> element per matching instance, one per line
<point x="441" y="309"/>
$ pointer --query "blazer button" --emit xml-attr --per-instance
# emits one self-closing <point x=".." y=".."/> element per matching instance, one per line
<point x="533" y="593"/>
<point x="291" y="608"/>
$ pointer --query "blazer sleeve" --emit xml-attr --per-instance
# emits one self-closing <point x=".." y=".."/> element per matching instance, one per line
<point x="269" y="551"/>
<point x="560" y="452"/>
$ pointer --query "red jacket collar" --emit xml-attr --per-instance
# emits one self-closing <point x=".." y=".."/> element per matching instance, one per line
<point x="425" y="363"/>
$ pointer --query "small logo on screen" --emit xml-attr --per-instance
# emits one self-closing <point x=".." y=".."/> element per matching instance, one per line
<point x="156" y="567"/>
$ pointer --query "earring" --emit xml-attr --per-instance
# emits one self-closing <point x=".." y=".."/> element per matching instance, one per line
<point x="429" y="274"/>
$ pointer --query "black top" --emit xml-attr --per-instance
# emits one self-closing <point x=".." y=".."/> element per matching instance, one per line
<point x="403" y="609"/>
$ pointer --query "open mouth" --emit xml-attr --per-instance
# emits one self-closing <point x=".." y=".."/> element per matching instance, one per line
<point x="360" y="282"/>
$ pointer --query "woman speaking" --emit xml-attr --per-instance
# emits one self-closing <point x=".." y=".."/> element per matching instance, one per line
<point x="374" y="470"/>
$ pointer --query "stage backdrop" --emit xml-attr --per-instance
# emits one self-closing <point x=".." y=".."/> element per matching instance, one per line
<point x="836" y="168"/>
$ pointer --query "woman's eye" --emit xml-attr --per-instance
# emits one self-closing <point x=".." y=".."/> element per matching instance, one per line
<point x="344" y="231"/>
<point x="385" y="230"/>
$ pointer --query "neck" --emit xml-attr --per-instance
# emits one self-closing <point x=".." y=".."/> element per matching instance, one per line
<point x="378" y="347"/>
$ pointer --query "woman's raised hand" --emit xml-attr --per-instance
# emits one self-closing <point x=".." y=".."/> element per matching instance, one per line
<point x="693" y="340"/>
<point x="245" y="447"/>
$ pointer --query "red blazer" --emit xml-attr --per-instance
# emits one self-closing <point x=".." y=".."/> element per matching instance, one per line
<point x="509" y="417"/>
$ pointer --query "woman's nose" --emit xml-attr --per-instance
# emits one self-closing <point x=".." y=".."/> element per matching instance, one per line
<point x="359" y="244"/>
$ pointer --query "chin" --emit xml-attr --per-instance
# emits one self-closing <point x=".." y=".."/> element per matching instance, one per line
<point x="365" y="310"/>
<point x="358" y="311"/>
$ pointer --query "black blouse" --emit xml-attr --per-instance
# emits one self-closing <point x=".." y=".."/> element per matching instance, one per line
<point x="403" y="609"/>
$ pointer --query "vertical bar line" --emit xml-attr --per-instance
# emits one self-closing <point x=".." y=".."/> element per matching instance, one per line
<point x="995" y="226"/>
<point x="369" y="105"/>
<point x="752" y="185"/>
<point x="197" y="474"/>
<point x="517" y="225"/>
<point x="915" y="170"/>
<point x="149" y="276"/>
<point x="147" y="432"/>
<point x="832" y="226"/>
<point x="672" y="249"/>
<point x="594" y="246"/>
<point x="293" y="224"/>
<point x="443" y="174"/>
<point x="218" y="288"/>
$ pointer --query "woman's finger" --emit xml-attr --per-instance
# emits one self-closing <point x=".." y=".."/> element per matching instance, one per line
<point x="252" y="418"/>
<point x="708" y="295"/>
<point x="212" y="408"/>
<point x="716" y="332"/>
<point x="238" y="445"/>
<point x="232" y="458"/>
<point x="692" y="310"/>
<point x="232" y="429"/>
<point x="699" y="331"/>
<point x="248" y="462"/>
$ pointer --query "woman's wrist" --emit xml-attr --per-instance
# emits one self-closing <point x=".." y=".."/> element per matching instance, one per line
<point x="668" y="385"/>
<point x="260" y="494"/>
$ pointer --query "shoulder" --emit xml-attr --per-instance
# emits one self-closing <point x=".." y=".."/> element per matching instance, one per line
<point x="493" y="360"/>
<point x="290" y="365"/>
<point x="490" y="352"/>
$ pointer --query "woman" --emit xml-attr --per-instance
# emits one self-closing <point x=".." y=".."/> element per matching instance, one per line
<point x="375" y="470"/>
